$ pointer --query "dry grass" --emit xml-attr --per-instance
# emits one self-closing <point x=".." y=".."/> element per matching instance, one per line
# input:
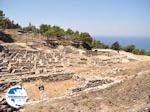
<point x="52" y="89"/>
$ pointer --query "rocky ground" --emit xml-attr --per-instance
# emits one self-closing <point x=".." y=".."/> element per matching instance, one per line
<point x="75" y="80"/>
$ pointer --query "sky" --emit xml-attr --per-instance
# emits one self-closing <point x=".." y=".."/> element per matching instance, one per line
<point x="98" y="17"/>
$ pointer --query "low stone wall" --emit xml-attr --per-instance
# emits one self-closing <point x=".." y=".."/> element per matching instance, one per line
<point x="52" y="77"/>
<point x="49" y="78"/>
<point x="92" y="83"/>
<point x="4" y="85"/>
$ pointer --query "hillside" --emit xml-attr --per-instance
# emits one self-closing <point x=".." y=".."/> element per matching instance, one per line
<point x="74" y="79"/>
<point x="69" y="71"/>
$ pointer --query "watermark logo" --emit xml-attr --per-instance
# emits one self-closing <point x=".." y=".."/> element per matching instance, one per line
<point x="16" y="96"/>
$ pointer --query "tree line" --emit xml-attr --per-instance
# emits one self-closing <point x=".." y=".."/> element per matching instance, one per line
<point x="85" y="38"/>
<point x="57" y="32"/>
<point x="129" y="48"/>
<point x="6" y="23"/>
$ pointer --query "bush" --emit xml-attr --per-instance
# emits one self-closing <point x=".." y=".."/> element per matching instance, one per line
<point x="115" y="46"/>
<point x="136" y="51"/>
<point x="130" y="48"/>
<point x="142" y="52"/>
<point x="6" y="23"/>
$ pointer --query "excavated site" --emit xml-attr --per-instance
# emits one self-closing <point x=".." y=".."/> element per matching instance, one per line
<point x="67" y="79"/>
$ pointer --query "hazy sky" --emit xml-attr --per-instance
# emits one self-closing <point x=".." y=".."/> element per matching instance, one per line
<point x="98" y="17"/>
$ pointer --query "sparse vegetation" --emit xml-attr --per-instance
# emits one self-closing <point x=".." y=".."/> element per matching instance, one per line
<point x="83" y="39"/>
<point x="132" y="49"/>
<point x="6" y="23"/>
<point x="30" y="28"/>
<point x="115" y="46"/>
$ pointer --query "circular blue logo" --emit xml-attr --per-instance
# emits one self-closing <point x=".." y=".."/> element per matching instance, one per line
<point x="16" y="96"/>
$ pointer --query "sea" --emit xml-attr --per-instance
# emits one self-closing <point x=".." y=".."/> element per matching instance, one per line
<point x="139" y="42"/>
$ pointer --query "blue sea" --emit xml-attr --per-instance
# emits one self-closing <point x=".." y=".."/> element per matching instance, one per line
<point x="140" y="42"/>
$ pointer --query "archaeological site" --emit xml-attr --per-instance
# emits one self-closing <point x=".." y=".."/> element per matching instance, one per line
<point x="74" y="55"/>
<point x="63" y="78"/>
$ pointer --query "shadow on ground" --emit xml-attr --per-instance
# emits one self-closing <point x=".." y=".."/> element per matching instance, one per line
<point x="6" y="37"/>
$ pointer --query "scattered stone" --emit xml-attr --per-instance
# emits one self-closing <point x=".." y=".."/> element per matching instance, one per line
<point x="95" y="83"/>
<point x="4" y="107"/>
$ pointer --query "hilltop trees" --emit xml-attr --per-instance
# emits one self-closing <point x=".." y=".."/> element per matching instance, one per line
<point x="6" y="23"/>
<point x="2" y="16"/>
<point x="49" y="30"/>
<point x="130" y="48"/>
<point x="56" y="31"/>
<point x="69" y="32"/>
<point x="85" y="37"/>
<point x="82" y="39"/>
<point x="75" y="36"/>
<point x="116" y="46"/>
<point x="31" y="28"/>
<point x="99" y="44"/>
<point x="44" y="28"/>
<point x="143" y="52"/>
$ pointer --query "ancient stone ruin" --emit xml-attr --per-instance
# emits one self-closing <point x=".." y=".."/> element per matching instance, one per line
<point x="48" y="73"/>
